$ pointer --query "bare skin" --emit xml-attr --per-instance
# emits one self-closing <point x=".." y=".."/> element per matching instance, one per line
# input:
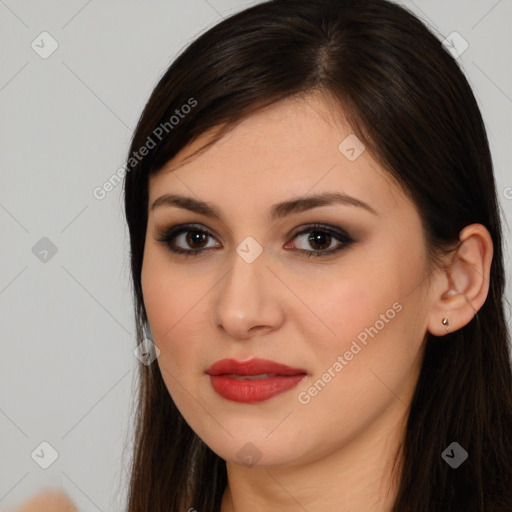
<point x="335" y="450"/>
<point x="48" y="501"/>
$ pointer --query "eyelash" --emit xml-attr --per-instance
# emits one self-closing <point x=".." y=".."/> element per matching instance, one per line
<point x="167" y="236"/>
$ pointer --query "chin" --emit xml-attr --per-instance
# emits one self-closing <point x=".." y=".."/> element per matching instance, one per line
<point x="259" y="452"/>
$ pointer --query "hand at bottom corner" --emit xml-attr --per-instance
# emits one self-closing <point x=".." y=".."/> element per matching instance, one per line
<point x="47" y="501"/>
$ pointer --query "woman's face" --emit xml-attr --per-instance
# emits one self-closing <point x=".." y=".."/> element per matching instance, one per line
<point x="350" y="318"/>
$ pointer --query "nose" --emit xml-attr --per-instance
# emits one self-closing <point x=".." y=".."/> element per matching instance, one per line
<point x="247" y="300"/>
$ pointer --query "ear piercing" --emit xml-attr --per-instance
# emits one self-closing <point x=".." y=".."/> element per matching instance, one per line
<point x="446" y="323"/>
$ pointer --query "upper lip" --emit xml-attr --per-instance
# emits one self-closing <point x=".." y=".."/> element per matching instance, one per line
<point x="252" y="367"/>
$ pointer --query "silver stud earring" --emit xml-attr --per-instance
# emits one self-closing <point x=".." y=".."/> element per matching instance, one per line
<point x="446" y="323"/>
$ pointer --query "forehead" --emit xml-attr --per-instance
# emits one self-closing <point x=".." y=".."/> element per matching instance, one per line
<point x="293" y="147"/>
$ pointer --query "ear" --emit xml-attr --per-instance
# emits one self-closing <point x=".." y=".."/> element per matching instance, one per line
<point x="463" y="284"/>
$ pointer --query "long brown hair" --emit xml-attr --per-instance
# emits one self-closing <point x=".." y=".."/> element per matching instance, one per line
<point x="410" y="104"/>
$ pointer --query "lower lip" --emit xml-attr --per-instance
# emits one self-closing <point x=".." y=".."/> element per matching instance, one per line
<point x="250" y="391"/>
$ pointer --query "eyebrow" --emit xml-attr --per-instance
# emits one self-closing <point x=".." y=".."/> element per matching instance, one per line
<point x="278" y="210"/>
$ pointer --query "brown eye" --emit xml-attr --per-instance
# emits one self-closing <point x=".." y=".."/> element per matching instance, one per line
<point x="319" y="240"/>
<point x="191" y="240"/>
<point x="196" y="237"/>
<point x="185" y="239"/>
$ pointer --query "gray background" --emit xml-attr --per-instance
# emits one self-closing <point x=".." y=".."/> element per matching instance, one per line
<point x="67" y="366"/>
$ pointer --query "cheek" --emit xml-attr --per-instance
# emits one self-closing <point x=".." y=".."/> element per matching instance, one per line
<point x="174" y="307"/>
<point x="368" y="360"/>
<point x="368" y="308"/>
<point x="347" y="301"/>
<point x="166" y="293"/>
<point x="177" y="307"/>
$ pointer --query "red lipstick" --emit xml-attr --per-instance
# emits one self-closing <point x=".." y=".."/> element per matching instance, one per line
<point x="254" y="380"/>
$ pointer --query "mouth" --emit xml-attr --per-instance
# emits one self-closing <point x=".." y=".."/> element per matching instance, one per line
<point x="253" y="368"/>
<point x="252" y="377"/>
<point x="254" y="380"/>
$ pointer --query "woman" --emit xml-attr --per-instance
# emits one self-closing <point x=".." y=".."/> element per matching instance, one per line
<point x="386" y="381"/>
<point x="316" y="253"/>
